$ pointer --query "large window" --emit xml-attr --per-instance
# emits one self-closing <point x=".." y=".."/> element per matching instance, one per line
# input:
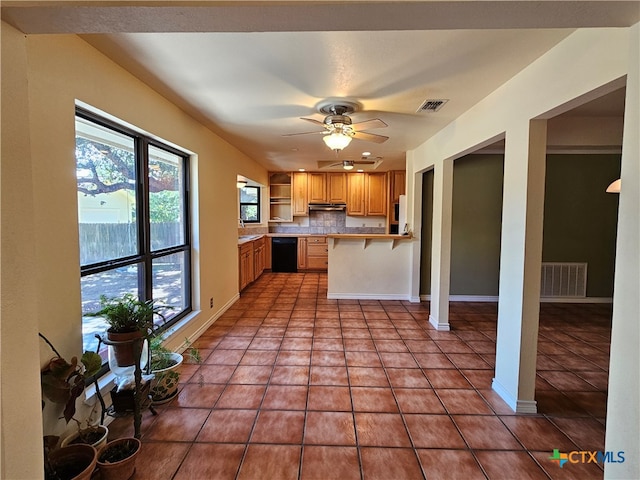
<point x="250" y="204"/>
<point x="133" y="220"/>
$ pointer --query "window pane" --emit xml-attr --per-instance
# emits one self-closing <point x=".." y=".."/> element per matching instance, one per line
<point x="113" y="283"/>
<point x="249" y="195"/>
<point x="166" y="199"/>
<point x="249" y="213"/>
<point x="169" y="283"/>
<point x="106" y="184"/>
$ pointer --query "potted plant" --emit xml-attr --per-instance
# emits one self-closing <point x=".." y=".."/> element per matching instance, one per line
<point x="117" y="460"/>
<point x="75" y="462"/>
<point x="130" y="321"/>
<point x="63" y="382"/>
<point x="165" y="366"/>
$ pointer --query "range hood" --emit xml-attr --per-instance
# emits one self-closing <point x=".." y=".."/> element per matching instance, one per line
<point x="327" y="207"/>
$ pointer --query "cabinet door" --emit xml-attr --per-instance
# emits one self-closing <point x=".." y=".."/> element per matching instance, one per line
<point x="376" y="194"/>
<point x="355" y="194"/>
<point x="337" y="187"/>
<point x="302" y="253"/>
<point x="397" y="185"/>
<point x="300" y="195"/>
<point x="317" y="187"/>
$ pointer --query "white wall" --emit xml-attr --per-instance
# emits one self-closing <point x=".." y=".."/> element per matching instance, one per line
<point x="587" y="64"/>
<point x="369" y="268"/>
<point x="42" y="77"/>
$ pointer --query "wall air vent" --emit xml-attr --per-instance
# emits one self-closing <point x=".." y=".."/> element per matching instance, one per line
<point x="432" y="105"/>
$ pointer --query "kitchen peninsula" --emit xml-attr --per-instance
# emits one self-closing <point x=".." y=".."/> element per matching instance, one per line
<point x="369" y="266"/>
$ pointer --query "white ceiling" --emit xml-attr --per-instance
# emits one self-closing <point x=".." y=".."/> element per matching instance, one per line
<point x="251" y="70"/>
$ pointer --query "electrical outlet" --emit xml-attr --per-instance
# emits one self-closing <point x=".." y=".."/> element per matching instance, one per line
<point x="211" y="302"/>
<point x="379" y="224"/>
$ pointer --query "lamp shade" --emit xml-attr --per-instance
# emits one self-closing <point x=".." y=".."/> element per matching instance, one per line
<point x="336" y="140"/>
<point x="614" y="187"/>
<point x="347" y="165"/>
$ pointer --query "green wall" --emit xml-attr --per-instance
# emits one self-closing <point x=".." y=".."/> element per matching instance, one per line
<point x="475" y="225"/>
<point x="425" y="235"/>
<point x="579" y="220"/>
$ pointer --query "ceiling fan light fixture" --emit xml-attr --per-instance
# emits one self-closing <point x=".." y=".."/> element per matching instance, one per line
<point x="347" y="164"/>
<point x="337" y="141"/>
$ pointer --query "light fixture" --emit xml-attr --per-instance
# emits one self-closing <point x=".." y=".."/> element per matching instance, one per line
<point x="347" y="164"/>
<point x="614" y="187"/>
<point x="337" y="140"/>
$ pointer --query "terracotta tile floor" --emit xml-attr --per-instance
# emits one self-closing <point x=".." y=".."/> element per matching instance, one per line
<point x="295" y="386"/>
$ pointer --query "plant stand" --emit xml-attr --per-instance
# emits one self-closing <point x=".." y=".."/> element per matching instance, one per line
<point x="141" y="398"/>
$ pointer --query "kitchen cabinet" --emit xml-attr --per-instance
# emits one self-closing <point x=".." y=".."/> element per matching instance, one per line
<point x="317" y="187"/>
<point x="259" y="257"/>
<point x="376" y="194"/>
<point x="355" y="194"/>
<point x="300" y="195"/>
<point x="397" y="188"/>
<point x="280" y="197"/>
<point x="336" y="187"/>
<point x="302" y="253"/>
<point x="367" y="194"/>
<point x="317" y="253"/>
<point x="246" y="264"/>
<point x="327" y="187"/>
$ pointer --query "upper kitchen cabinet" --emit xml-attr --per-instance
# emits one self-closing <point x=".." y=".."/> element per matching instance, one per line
<point x="280" y="197"/>
<point x="300" y="194"/>
<point x="355" y="194"/>
<point x="317" y="187"/>
<point x="376" y="191"/>
<point x="397" y="179"/>
<point x="336" y="187"/>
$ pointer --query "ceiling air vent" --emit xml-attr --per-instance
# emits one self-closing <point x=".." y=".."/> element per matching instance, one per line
<point x="431" y="105"/>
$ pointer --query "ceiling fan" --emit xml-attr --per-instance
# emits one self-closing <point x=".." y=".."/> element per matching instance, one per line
<point x="339" y="129"/>
<point x="350" y="164"/>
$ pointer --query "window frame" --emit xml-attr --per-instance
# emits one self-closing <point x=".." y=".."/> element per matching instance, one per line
<point x="146" y="255"/>
<point x="258" y="203"/>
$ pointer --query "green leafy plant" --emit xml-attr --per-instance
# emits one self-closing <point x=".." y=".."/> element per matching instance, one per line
<point x="64" y="381"/>
<point x="127" y="313"/>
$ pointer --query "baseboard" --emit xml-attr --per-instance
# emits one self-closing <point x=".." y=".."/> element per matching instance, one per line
<point x="518" y="406"/>
<point x="368" y="296"/>
<point x="441" y="327"/>
<point x="203" y="328"/>
<point x="494" y="299"/>
<point x="576" y="300"/>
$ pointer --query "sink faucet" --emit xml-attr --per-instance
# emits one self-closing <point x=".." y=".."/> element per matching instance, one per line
<point x="241" y="222"/>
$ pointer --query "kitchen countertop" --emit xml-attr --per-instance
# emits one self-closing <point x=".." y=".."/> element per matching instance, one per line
<point x="361" y="236"/>
<point x="242" y="239"/>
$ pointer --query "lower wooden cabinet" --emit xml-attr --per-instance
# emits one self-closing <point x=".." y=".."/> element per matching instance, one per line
<point x="246" y="264"/>
<point x="252" y="261"/>
<point x="317" y="253"/>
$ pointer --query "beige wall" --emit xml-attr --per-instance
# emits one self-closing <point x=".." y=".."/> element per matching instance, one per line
<point x="42" y="77"/>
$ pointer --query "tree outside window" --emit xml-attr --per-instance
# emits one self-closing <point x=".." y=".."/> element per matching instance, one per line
<point x="133" y="220"/>
<point x="250" y="204"/>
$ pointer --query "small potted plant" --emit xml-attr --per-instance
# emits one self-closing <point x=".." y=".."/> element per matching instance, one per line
<point x="130" y="321"/>
<point x="63" y="382"/>
<point x="117" y="460"/>
<point x="165" y="366"/>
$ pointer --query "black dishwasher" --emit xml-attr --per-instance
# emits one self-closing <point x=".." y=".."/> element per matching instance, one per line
<point x="284" y="254"/>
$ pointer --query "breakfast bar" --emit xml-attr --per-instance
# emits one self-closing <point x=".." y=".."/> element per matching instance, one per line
<point x="369" y="266"/>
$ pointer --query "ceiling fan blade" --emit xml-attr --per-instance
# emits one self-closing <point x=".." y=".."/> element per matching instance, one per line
<point x="361" y="162"/>
<point x="313" y="120"/>
<point x="369" y="124"/>
<point x="370" y="137"/>
<point x="323" y="132"/>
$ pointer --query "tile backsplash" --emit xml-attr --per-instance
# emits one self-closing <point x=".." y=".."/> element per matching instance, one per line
<point x="322" y="223"/>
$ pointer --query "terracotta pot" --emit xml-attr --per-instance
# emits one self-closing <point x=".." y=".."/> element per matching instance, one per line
<point x="164" y="385"/>
<point x="75" y="462"/>
<point x="100" y="442"/>
<point x="113" y="468"/>
<point x="124" y="352"/>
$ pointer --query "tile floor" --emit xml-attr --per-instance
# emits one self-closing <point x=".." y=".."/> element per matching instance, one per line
<point x="295" y="386"/>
